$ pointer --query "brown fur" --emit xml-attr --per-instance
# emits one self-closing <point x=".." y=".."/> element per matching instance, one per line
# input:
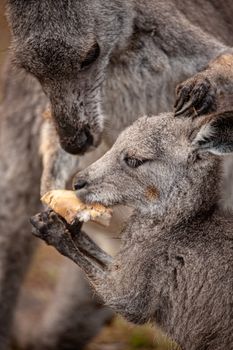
<point x="151" y="193"/>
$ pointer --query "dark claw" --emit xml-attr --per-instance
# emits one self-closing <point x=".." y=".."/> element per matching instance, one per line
<point x="38" y="222"/>
<point x="195" y="97"/>
<point x="208" y="106"/>
<point x="35" y="231"/>
<point x="44" y="222"/>
<point x="183" y="93"/>
<point x="184" y="109"/>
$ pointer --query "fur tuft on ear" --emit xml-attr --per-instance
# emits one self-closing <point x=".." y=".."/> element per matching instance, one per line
<point x="216" y="135"/>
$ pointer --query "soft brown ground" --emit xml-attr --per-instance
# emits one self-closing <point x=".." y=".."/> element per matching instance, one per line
<point x="42" y="277"/>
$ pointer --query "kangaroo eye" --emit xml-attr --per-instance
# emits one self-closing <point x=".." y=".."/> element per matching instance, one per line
<point x="91" y="57"/>
<point x="134" y="162"/>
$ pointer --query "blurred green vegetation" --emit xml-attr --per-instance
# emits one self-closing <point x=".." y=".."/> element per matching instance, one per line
<point x="121" y="335"/>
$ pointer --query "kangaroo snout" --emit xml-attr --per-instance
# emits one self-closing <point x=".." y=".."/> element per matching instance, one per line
<point x="81" y="185"/>
<point x="95" y="184"/>
<point x="78" y="142"/>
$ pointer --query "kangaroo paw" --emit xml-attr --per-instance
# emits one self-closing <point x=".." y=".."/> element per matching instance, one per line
<point x="54" y="231"/>
<point x="195" y="96"/>
<point x="49" y="227"/>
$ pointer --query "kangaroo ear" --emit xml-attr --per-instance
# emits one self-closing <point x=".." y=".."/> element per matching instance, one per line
<point x="216" y="135"/>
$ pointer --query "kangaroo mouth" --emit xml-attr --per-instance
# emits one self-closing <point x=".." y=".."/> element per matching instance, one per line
<point x="91" y="197"/>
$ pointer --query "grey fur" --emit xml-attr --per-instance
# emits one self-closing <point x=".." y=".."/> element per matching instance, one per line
<point x="20" y="130"/>
<point x="174" y="267"/>
<point x="135" y="45"/>
<point x="19" y="187"/>
<point x="147" y="48"/>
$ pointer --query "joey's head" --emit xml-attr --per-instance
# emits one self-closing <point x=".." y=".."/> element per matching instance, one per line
<point x="161" y="163"/>
<point x="67" y="46"/>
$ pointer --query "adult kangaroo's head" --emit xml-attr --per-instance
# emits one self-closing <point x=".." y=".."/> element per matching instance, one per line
<point x="67" y="45"/>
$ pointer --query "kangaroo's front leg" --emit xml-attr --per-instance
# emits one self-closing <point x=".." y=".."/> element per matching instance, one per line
<point x="90" y="248"/>
<point x="79" y="248"/>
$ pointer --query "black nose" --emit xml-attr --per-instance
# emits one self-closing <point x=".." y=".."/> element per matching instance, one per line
<point x="77" y="143"/>
<point x="79" y="184"/>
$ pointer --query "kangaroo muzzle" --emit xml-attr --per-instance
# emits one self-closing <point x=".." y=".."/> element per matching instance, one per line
<point x="78" y="142"/>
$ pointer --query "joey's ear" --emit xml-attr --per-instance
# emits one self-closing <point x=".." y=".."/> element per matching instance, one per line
<point x="216" y="134"/>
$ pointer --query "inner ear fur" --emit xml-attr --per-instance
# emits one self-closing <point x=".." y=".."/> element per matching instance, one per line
<point x="214" y="133"/>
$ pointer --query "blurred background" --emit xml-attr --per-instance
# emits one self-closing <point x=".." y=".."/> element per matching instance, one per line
<point x="41" y="281"/>
<point x="4" y="33"/>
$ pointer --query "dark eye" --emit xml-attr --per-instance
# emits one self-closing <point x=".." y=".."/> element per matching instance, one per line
<point x="91" y="57"/>
<point x="134" y="162"/>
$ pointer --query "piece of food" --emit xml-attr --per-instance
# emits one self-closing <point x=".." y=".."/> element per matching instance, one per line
<point x="66" y="204"/>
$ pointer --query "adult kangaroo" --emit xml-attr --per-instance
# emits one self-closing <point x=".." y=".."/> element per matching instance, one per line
<point x="101" y="64"/>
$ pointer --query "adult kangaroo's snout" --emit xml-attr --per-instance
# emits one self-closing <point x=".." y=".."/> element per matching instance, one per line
<point x="76" y="120"/>
<point x="76" y="141"/>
